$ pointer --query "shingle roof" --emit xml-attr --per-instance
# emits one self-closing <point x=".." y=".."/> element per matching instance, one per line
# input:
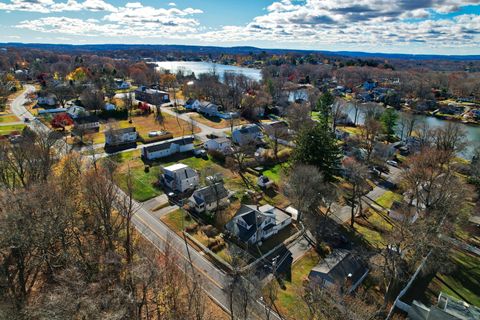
<point x="338" y="265"/>
<point x="210" y="194"/>
<point x="166" y="144"/>
<point x="122" y="130"/>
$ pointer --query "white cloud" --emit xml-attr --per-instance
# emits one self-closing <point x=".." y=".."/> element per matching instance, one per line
<point x="48" y="6"/>
<point x="172" y="4"/>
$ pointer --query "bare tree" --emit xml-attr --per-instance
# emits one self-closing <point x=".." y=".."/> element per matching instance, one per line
<point x="356" y="175"/>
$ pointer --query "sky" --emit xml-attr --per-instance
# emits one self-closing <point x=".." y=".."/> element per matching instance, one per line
<point x="391" y="26"/>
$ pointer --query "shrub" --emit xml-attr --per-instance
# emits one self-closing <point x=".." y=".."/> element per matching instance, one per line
<point x="217" y="156"/>
<point x="210" y="231"/>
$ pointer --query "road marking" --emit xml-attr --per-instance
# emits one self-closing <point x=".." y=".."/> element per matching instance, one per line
<point x="177" y="250"/>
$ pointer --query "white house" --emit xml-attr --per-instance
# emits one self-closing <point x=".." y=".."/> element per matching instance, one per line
<point x="222" y="145"/>
<point x="121" y="136"/>
<point x="122" y="84"/>
<point x="253" y="224"/>
<point x="209" y="197"/>
<point x="168" y="147"/>
<point x="180" y="177"/>
<point x="76" y="111"/>
<point x="246" y="134"/>
<point x="48" y="100"/>
<point x="87" y="123"/>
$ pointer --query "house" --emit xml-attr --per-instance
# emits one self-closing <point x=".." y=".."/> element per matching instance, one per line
<point x="51" y="111"/>
<point x="87" y="123"/>
<point x="76" y="111"/>
<point x="122" y="84"/>
<point x="247" y="134"/>
<point x="252" y="224"/>
<point x="49" y="100"/>
<point x="109" y="107"/>
<point x="223" y="145"/>
<point x="180" y="177"/>
<point x="167" y="148"/>
<point x="369" y="85"/>
<point x="118" y="137"/>
<point x="209" y="198"/>
<point x="203" y="107"/>
<point x="340" y="268"/>
<point x="264" y="182"/>
<point x="276" y="129"/>
<point x="151" y="96"/>
<point x="447" y="308"/>
<point x="402" y="212"/>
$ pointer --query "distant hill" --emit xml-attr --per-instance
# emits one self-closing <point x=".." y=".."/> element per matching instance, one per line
<point x="233" y="50"/>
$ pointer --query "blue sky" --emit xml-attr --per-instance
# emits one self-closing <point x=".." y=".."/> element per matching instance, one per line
<point x="404" y="26"/>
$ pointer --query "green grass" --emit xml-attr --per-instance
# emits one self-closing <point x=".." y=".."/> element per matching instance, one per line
<point x="142" y="182"/>
<point x="387" y="199"/>
<point x="176" y="220"/>
<point x="126" y="156"/>
<point x="6" y="130"/>
<point x="8" y="118"/>
<point x="289" y="300"/>
<point x="465" y="279"/>
<point x="351" y="130"/>
<point x="274" y="173"/>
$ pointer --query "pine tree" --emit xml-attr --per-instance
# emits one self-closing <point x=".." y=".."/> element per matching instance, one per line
<point x="317" y="146"/>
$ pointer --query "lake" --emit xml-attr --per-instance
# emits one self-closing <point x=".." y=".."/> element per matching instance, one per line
<point x="206" y="67"/>
<point x="472" y="131"/>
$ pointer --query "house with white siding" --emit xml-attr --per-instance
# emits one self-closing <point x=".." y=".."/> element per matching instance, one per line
<point x="252" y="224"/>
<point x="247" y="134"/>
<point x="223" y="145"/>
<point x="122" y="136"/>
<point x="180" y="177"/>
<point x="168" y="147"/>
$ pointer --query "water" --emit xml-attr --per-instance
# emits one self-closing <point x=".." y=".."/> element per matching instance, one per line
<point x="206" y="67"/>
<point x="472" y="131"/>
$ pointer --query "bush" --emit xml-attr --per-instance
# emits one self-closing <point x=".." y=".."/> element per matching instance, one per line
<point x="121" y="114"/>
<point x="147" y="169"/>
<point x="192" y="228"/>
<point x="324" y="249"/>
<point x="217" y="156"/>
<point x="209" y="230"/>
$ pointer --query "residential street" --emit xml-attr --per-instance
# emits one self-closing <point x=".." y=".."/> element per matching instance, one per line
<point x="214" y="281"/>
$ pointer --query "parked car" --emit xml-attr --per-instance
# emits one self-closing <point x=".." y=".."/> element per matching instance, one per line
<point x="156" y="133"/>
<point x="393" y="163"/>
<point x="200" y="153"/>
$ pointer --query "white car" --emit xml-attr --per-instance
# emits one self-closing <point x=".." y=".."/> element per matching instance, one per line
<point x="392" y="163"/>
<point x="156" y="133"/>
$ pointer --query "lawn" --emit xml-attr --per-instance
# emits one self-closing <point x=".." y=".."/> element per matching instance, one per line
<point x="145" y="124"/>
<point x="8" y="118"/>
<point x="274" y="173"/>
<point x="387" y="199"/>
<point x="142" y="182"/>
<point x="176" y="220"/>
<point x="289" y="299"/>
<point x="216" y="122"/>
<point x="464" y="281"/>
<point x="351" y="130"/>
<point x="8" y="129"/>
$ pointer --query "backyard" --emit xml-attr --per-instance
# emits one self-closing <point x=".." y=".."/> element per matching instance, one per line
<point x="290" y="297"/>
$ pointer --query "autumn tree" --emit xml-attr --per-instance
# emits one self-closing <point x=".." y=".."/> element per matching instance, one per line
<point x="357" y="175"/>
<point x="60" y="121"/>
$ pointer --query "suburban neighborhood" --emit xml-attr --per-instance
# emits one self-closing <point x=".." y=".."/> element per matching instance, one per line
<point x="278" y="198"/>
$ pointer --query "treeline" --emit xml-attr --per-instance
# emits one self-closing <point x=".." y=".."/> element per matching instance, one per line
<point x="68" y="247"/>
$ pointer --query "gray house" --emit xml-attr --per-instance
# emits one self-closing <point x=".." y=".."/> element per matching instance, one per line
<point x="247" y="134"/>
<point x="209" y="197"/>
<point x="253" y="224"/>
<point x="342" y="269"/>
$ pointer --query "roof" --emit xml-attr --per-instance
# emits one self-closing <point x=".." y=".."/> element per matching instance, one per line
<point x="166" y="144"/>
<point x="338" y="266"/>
<point x="86" y="119"/>
<point x="210" y="194"/>
<point x="253" y="128"/>
<point x="222" y="140"/>
<point x="175" y="167"/>
<point x="121" y="131"/>
<point x="150" y="91"/>
<point x="254" y="217"/>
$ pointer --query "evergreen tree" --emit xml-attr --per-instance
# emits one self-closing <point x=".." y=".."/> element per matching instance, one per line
<point x="317" y="146"/>
<point x="389" y="121"/>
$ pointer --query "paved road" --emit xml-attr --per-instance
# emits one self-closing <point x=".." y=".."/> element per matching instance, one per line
<point x="213" y="281"/>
